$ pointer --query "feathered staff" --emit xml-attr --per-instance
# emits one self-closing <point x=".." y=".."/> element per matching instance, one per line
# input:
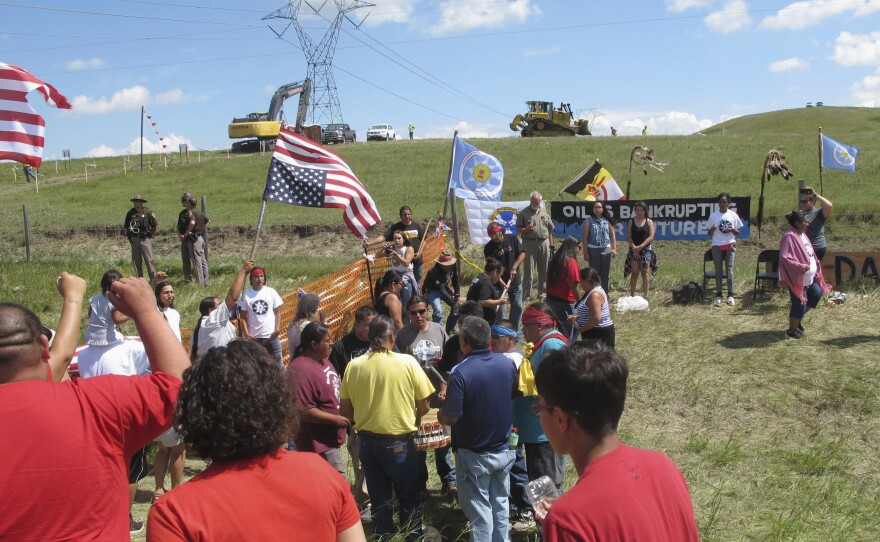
<point x="774" y="164"/>
<point x="643" y="156"/>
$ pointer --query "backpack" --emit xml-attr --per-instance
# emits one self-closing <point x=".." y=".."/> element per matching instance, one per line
<point x="685" y="294"/>
<point x="526" y="375"/>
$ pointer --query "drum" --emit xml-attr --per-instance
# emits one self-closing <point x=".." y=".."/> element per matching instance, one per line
<point x="431" y="433"/>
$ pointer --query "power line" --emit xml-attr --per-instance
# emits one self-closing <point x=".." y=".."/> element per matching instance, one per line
<point x="122" y="15"/>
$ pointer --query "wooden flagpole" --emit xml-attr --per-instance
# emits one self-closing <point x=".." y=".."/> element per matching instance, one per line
<point x="259" y="228"/>
<point x="821" y="183"/>
<point x="449" y="179"/>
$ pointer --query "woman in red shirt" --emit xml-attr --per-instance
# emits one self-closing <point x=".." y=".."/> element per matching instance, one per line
<point x="563" y="276"/>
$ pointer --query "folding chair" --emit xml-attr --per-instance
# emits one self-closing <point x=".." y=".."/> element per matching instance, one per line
<point x="709" y="273"/>
<point x="770" y="258"/>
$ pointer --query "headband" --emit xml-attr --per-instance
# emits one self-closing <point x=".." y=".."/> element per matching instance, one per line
<point x="537" y="316"/>
<point x="503" y="331"/>
<point x="258" y="271"/>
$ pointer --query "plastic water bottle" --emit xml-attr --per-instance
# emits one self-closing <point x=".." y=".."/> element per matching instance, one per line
<point x="542" y="493"/>
<point x="513" y="439"/>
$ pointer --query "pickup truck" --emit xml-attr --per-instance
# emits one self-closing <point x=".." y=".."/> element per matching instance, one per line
<point x="338" y="133"/>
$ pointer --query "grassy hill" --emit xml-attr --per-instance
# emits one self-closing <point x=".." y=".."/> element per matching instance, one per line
<point x="777" y="439"/>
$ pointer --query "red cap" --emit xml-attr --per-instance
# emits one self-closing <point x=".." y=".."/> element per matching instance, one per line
<point x="494" y="228"/>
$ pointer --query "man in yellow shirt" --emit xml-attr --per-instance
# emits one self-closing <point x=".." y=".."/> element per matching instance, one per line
<point x="384" y="393"/>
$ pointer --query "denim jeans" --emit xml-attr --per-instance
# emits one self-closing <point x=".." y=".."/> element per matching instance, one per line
<point x="443" y="464"/>
<point x="724" y="258"/>
<point x="483" y="486"/>
<point x="562" y="309"/>
<point x="516" y="308"/>
<point x="391" y="463"/>
<point x="600" y="260"/>
<point x="273" y="345"/>
<point x="812" y="293"/>
<point x="436" y="302"/>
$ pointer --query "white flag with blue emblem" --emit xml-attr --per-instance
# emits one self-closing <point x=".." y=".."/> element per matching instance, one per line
<point x="481" y="213"/>
<point x="837" y="155"/>
<point x="475" y="174"/>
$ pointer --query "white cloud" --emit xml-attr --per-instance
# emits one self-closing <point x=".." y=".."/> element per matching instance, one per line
<point x="630" y="123"/>
<point x="386" y="11"/>
<point x="466" y="130"/>
<point x="684" y="5"/>
<point x="732" y="17"/>
<point x="532" y="53"/>
<point x="173" y="95"/>
<point x="123" y="100"/>
<point x="806" y="13"/>
<point x="866" y="92"/>
<point x="456" y="16"/>
<point x="84" y="64"/>
<point x="857" y="49"/>
<point x="270" y="89"/>
<point x="789" y="64"/>
<point x="172" y="145"/>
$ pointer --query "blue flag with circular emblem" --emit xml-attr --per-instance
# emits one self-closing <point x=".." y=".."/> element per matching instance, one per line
<point x="475" y="174"/>
<point x="837" y="155"/>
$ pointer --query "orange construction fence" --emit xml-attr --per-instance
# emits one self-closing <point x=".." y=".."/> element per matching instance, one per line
<point x="345" y="291"/>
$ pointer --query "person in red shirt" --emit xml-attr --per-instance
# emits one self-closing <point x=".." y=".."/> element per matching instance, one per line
<point x="65" y="473"/>
<point x="623" y="493"/>
<point x="236" y="408"/>
<point x="563" y="278"/>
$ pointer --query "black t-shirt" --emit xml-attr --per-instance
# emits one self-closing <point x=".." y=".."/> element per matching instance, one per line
<point x="451" y="355"/>
<point x="481" y="289"/>
<point x="413" y="232"/>
<point x="506" y="252"/>
<point x="345" y="350"/>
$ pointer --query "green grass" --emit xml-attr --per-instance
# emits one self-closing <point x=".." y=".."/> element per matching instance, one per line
<point x="777" y="439"/>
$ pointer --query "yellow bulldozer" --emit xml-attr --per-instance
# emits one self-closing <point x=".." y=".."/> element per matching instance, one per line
<point x="265" y="126"/>
<point x="544" y="120"/>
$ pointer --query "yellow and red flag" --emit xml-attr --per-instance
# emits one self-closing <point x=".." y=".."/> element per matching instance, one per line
<point x="595" y="183"/>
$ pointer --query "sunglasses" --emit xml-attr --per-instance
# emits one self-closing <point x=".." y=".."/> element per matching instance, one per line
<point x="419" y="311"/>
<point x="806" y="201"/>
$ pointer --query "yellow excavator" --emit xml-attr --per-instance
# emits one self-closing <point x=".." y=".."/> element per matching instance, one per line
<point x="265" y="126"/>
<point x="544" y="120"/>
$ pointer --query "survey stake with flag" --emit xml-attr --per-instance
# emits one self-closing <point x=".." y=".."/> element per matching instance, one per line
<point x="475" y="174"/>
<point x="22" y="130"/>
<point x="837" y="155"/>
<point x="595" y="183"/>
<point x="305" y="173"/>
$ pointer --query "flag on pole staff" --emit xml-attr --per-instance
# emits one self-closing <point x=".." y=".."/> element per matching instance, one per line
<point x="837" y="155"/>
<point x="475" y="174"/>
<point x="21" y="128"/>
<point x="481" y="213"/>
<point x="305" y="173"/>
<point x="595" y="183"/>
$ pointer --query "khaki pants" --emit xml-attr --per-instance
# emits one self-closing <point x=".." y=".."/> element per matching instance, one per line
<point x="142" y="252"/>
<point x="192" y="252"/>
<point x="537" y="255"/>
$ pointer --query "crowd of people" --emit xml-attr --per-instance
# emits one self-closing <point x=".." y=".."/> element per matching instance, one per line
<point x="518" y="391"/>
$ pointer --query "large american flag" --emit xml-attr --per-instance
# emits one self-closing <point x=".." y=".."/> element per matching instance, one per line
<point x="21" y="128"/>
<point x="305" y="173"/>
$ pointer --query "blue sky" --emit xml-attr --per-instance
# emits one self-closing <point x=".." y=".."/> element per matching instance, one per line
<point x="677" y="66"/>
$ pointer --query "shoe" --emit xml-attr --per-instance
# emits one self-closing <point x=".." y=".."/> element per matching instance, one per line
<point x="523" y="522"/>
<point x="449" y="489"/>
<point x="717" y="301"/>
<point x="796" y="335"/>
<point x="134" y="526"/>
<point x="730" y="300"/>
<point x="801" y="329"/>
<point x="366" y="515"/>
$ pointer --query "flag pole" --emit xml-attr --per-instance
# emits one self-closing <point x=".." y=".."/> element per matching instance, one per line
<point x="455" y="236"/>
<point x="259" y="228"/>
<point x="449" y="179"/>
<point x="821" y="182"/>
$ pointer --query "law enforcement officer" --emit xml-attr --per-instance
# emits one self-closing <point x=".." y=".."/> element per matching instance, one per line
<point x="534" y="225"/>
<point x="140" y="226"/>
<point x="191" y="230"/>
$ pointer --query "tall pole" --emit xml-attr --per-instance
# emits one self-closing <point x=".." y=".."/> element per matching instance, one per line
<point x="821" y="183"/>
<point x="449" y="179"/>
<point x="142" y="138"/>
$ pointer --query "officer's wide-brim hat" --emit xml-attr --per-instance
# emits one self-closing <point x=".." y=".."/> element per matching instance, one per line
<point x="138" y="198"/>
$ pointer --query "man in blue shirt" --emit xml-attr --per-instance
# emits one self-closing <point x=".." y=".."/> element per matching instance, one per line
<point x="479" y="409"/>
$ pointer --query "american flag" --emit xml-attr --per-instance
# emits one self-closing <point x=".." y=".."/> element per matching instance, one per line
<point x="305" y="173"/>
<point x="21" y="128"/>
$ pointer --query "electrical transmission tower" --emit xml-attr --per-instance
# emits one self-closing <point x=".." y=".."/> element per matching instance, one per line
<point x="324" y="106"/>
